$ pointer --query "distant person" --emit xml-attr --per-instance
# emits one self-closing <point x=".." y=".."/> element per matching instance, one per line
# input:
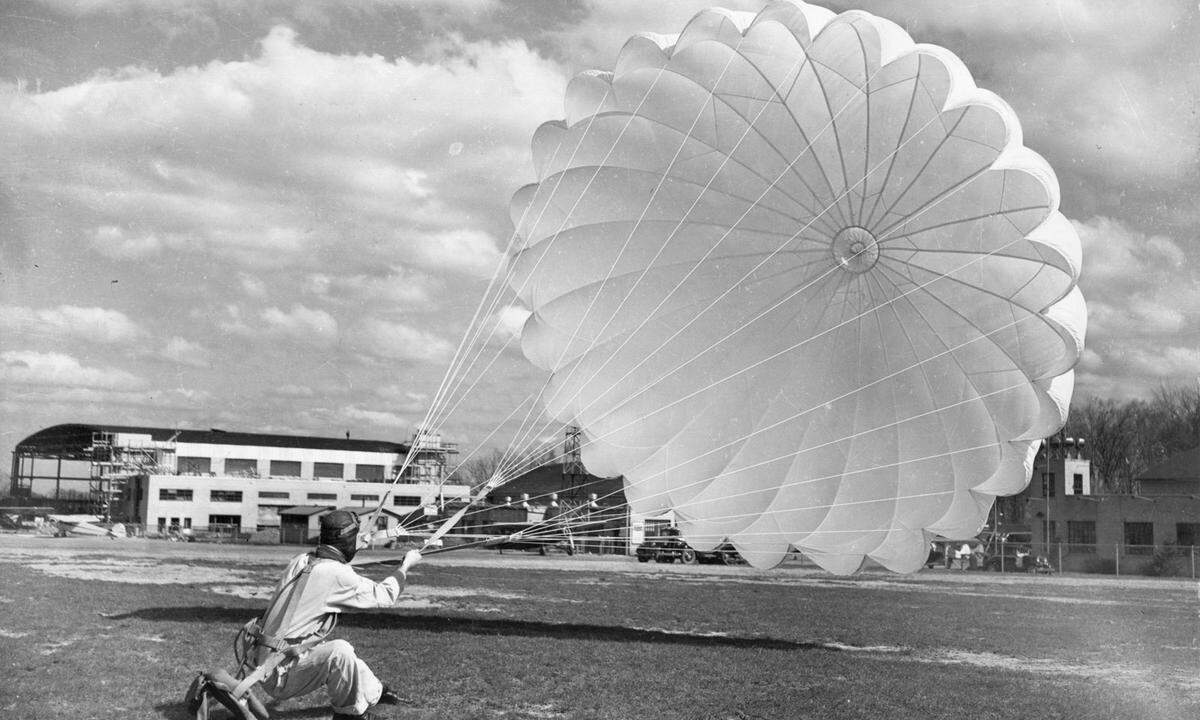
<point x="964" y="556"/>
<point x="293" y="631"/>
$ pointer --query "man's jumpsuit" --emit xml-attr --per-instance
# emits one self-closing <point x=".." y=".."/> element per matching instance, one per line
<point x="312" y="591"/>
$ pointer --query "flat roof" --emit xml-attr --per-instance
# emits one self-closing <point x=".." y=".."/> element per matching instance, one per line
<point x="1180" y="466"/>
<point x="77" y="437"/>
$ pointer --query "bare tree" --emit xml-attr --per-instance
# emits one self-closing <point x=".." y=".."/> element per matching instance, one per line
<point x="478" y="470"/>
<point x="1176" y="412"/>
<point x="1111" y="431"/>
<point x="1126" y="439"/>
<point x="483" y="467"/>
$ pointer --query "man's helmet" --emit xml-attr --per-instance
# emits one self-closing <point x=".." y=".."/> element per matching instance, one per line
<point x="340" y="530"/>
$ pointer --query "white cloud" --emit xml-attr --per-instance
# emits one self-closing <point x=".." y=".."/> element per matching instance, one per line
<point x="509" y="321"/>
<point x="186" y="352"/>
<point x="116" y="243"/>
<point x="473" y="252"/>
<point x="357" y="415"/>
<point x="301" y="323"/>
<point x="400" y="287"/>
<point x="188" y="8"/>
<point x="1143" y="295"/>
<point x="254" y="287"/>
<point x="1166" y="363"/>
<point x="289" y="156"/>
<point x="404" y="398"/>
<point x="19" y="367"/>
<point x="1119" y="259"/>
<point x="68" y="322"/>
<point x="386" y="339"/>
<point x="301" y="392"/>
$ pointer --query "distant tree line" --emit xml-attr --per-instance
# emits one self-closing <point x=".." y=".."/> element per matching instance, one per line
<point x="1125" y="439"/>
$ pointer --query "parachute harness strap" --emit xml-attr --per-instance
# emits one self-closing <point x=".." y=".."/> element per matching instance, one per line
<point x="251" y="636"/>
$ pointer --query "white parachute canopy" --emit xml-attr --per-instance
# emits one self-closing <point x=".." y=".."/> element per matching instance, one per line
<point x="798" y="279"/>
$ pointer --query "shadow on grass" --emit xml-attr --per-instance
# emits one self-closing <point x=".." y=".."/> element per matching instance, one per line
<point x="179" y="711"/>
<point x="205" y="615"/>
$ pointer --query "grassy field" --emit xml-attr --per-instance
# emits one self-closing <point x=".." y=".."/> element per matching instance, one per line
<point x="90" y="629"/>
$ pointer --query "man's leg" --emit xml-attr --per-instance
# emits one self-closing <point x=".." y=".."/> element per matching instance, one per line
<point x="351" y="685"/>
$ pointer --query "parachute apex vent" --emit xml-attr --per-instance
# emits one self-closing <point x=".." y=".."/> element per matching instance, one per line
<point x="855" y="249"/>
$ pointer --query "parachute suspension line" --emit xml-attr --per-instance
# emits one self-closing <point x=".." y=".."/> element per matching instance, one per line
<point x="495" y="481"/>
<point x="528" y="398"/>
<point x="700" y="113"/>
<point x="507" y="276"/>
<point x="524" y="435"/>
<point x="558" y="182"/>
<point x="736" y="283"/>
<point x="795" y="69"/>
<point x="564" y="523"/>
<point x="469" y="335"/>
<point x="937" y="277"/>
<point x="696" y="316"/>
<point x="798" y="453"/>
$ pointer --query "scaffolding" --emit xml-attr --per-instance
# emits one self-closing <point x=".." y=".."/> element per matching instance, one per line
<point x="430" y="457"/>
<point x="115" y="463"/>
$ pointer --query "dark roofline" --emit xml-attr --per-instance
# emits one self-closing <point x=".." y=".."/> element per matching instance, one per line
<point x="76" y="437"/>
<point x="545" y="479"/>
<point x="1180" y="466"/>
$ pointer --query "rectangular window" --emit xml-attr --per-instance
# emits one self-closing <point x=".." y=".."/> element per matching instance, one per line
<point x="187" y="523"/>
<point x="1048" y="484"/>
<point x="225" y="495"/>
<point x="247" y="467"/>
<point x="368" y="472"/>
<point x="322" y="496"/>
<point x="272" y="495"/>
<point x="225" y="525"/>
<point x="364" y="498"/>
<point x="174" y="494"/>
<point x="1187" y="534"/>
<point x="193" y="465"/>
<point x="162" y="524"/>
<point x="329" y="470"/>
<point x="1139" y="538"/>
<point x="1081" y="534"/>
<point x="285" y="468"/>
<point x="407" y="500"/>
<point x="1077" y="484"/>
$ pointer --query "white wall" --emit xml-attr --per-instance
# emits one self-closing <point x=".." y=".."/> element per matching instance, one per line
<point x="305" y="456"/>
<point x="198" y="509"/>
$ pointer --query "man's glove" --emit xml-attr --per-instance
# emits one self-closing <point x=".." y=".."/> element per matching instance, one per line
<point x="411" y="558"/>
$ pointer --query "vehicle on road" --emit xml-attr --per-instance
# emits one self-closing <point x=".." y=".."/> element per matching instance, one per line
<point x="668" y="547"/>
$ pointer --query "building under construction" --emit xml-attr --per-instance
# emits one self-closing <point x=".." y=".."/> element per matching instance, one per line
<point x="185" y="477"/>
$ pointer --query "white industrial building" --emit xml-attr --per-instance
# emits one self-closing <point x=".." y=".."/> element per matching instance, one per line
<point x="170" y="478"/>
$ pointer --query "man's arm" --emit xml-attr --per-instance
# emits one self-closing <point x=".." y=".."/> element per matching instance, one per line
<point x="364" y="593"/>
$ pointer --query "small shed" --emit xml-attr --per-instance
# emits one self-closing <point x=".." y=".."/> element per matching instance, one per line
<point x="300" y="525"/>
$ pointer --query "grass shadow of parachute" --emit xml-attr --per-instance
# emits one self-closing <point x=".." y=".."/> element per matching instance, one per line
<point x="797" y="278"/>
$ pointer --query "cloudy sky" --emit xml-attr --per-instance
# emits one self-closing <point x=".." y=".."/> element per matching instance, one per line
<point x="278" y="215"/>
